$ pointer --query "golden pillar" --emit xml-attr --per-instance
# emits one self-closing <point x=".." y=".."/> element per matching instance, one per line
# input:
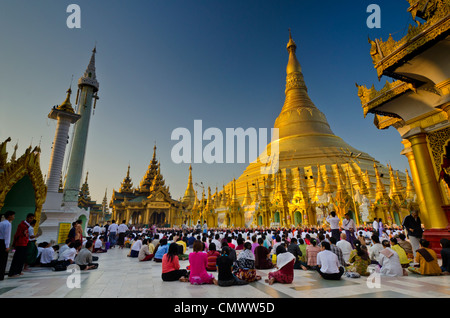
<point x="416" y="180"/>
<point x="428" y="181"/>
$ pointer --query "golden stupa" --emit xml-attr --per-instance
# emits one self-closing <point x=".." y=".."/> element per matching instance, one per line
<point x="310" y="172"/>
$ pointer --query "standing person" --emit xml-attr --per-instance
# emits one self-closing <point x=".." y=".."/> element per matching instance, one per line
<point x="79" y="231"/>
<point x="334" y="220"/>
<point x="106" y="227"/>
<point x="20" y="243"/>
<point x="350" y="229"/>
<point x="171" y="266"/>
<point x="112" y="233"/>
<point x="375" y="227"/>
<point x="328" y="263"/>
<point x="205" y="228"/>
<point x="413" y="226"/>
<point x="122" y="230"/>
<point x="198" y="260"/>
<point x="32" y="251"/>
<point x="445" y="254"/>
<point x="5" y="241"/>
<point x="381" y="230"/>
<point x="71" y="234"/>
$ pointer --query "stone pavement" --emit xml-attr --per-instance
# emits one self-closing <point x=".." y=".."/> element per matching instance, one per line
<point x="119" y="276"/>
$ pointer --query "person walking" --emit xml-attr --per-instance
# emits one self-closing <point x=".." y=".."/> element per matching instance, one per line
<point x="413" y="226"/>
<point x="20" y="243"/>
<point x="5" y="241"/>
<point x="112" y="233"/>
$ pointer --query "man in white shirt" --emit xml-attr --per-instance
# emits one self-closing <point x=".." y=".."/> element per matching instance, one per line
<point x="5" y="241"/>
<point x="375" y="225"/>
<point x="96" y="230"/>
<point x="136" y="247"/>
<point x="122" y="229"/>
<point x="47" y="255"/>
<point x="375" y="249"/>
<point x="328" y="263"/>
<point x="345" y="247"/>
<point x="334" y="220"/>
<point x="112" y="233"/>
<point x="350" y="228"/>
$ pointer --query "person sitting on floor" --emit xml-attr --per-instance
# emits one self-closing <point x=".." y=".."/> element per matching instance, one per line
<point x="245" y="265"/>
<point x="224" y="265"/>
<point x="359" y="260"/>
<point x="212" y="258"/>
<point x="98" y="245"/>
<point x="285" y="267"/>
<point x="427" y="259"/>
<point x="389" y="261"/>
<point x="262" y="253"/>
<point x="84" y="257"/>
<point x="328" y="263"/>
<point x="171" y="266"/>
<point x="146" y="253"/>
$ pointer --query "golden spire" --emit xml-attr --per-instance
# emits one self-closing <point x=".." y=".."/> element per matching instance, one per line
<point x="293" y="64"/>
<point x="410" y="191"/>
<point x="398" y="182"/>
<point x="393" y="184"/>
<point x="319" y="183"/>
<point x="248" y="197"/>
<point x="126" y="185"/>
<point x="67" y="105"/>
<point x="299" y="115"/>
<point x="380" y="189"/>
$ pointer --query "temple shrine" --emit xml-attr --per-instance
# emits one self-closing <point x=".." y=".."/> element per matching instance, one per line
<point x="417" y="104"/>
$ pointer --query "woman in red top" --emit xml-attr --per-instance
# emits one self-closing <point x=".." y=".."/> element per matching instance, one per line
<point x="212" y="257"/>
<point x="20" y="243"/>
<point x="171" y="266"/>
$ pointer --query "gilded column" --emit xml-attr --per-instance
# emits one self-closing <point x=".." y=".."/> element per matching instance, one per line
<point x="416" y="180"/>
<point x="427" y="177"/>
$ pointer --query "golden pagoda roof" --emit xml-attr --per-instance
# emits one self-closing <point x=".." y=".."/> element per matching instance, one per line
<point x="387" y="55"/>
<point x="67" y="105"/>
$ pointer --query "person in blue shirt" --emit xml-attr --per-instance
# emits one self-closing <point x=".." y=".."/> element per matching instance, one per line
<point x="161" y="249"/>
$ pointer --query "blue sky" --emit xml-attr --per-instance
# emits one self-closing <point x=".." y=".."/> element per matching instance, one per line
<point x="163" y="64"/>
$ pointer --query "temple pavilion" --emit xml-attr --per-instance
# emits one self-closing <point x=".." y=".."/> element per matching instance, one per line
<point x="417" y="104"/>
<point x="147" y="204"/>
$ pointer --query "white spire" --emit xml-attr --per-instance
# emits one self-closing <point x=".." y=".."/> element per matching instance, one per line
<point x="89" y="77"/>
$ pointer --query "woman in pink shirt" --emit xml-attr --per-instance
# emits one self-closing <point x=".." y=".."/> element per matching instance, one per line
<point x="171" y="266"/>
<point x="198" y="261"/>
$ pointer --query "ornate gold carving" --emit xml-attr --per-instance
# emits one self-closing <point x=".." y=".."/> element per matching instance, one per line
<point x="371" y="98"/>
<point x="388" y="53"/>
<point x="437" y="141"/>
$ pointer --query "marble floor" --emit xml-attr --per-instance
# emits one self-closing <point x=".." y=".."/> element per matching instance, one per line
<point x="119" y="276"/>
